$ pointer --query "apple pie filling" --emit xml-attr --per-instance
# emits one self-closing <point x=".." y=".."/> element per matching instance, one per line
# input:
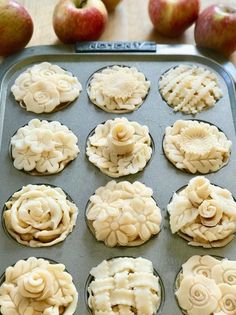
<point x="203" y="214"/>
<point x="39" y="215"/>
<point x="42" y="147"/>
<point x="207" y="286"/>
<point x="119" y="147"/>
<point x="124" y="286"/>
<point x="123" y="214"/>
<point x="36" y="286"/>
<point x="196" y="147"/>
<point x="118" y="89"/>
<point x="190" y="89"/>
<point x="45" y="88"/>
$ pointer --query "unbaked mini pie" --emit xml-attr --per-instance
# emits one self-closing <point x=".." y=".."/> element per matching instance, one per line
<point x="45" y="88"/>
<point x="39" y="215"/>
<point x="190" y="89"/>
<point x="203" y="214"/>
<point x="207" y="286"/>
<point x="196" y="147"/>
<point x="123" y="214"/>
<point x="124" y="286"/>
<point x="36" y="286"/>
<point x="119" y="147"/>
<point x="43" y="148"/>
<point x="118" y="89"/>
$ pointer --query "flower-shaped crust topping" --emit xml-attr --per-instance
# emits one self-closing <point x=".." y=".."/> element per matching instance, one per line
<point x="45" y="88"/>
<point x="39" y="215"/>
<point x="124" y="286"/>
<point x="43" y="147"/>
<point x="190" y="89"/>
<point x="207" y="286"/>
<point x="119" y="147"/>
<point x="118" y="89"/>
<point x="196" y="146"/>
<point x="203" y="214"/>
<point x="34" y="286"/>
<point x="123" y="214"/>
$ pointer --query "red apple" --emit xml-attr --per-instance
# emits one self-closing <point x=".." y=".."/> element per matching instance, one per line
<point x="216" y="29"/>
<point x="111" y="4"/>
<point x="79" y="20"/>
<point x="16" y="27"/>
<point x="172" y="17"/>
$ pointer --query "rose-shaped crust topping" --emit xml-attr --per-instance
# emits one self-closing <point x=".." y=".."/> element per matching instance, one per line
<point x="198" y="295"/>
<point x="196" y="146"/>
<point x="118" y="89"/>
<point x="45" y="88"/>
<point x="43" y="147"/>
<point x="207" y="286"/>
<point x="203" y="214"/>
<point x="190" y="89"/>
<point x="123" y="214"/>
<point x="35" y="286"/>
<point x="119" y="147"/>
<point x="39" y="215"/>
<point x="124" y="286"/>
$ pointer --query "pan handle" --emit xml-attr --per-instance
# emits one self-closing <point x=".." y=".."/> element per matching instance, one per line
<point x="115" y="47"/>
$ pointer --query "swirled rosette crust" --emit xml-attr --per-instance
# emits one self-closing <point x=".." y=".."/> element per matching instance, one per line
<point x="45" y="88"/>
<point x="207" y="286"/>
<point x="118" y="89"/>
<point x="43" y="147"/>
<point x="196" y="147"/>
<point x="124" y="286"/>
<point x="119" y="147"/>
<point x="39" y="215"/>
<point x="190" y="89"/>
<point x="123" y="214"/>
<point x="35" y="286"/>
<point x="203" y="214"/>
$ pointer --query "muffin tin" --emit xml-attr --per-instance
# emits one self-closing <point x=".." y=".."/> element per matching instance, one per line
<point x="80" y="251"/>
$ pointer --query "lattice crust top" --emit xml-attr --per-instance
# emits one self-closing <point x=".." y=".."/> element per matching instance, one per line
<point x="124" y="286"/>
<point x="36" y="287"/>
<point x="190" y="89"/>
<point x="39" y="215"/>
<point x="203" y="214"/>
<point x="119" y="147"/>
<point x="118" y="89"/>
<point x="123" y="214"/>
<point x="43" y="147"/>
<point x="196" y="146"/>
<point x="207" y="286"/>
<point x="45" y="88"/>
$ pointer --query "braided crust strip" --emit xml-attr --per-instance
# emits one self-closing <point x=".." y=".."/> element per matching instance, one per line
<point x="39" y="215"/>
<point x="190" y="89"/>
<point x="119" y="147"/>
<point x="124" y="286"/>
<point x="123" y="214"/>
<point x="207" y="286"/>
<point x="35" y="286"/>
<point x="203" y="214"/>
<point x="196" y="147"/>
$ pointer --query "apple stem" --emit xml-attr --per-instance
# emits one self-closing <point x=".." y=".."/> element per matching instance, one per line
<point x="81" y="4"/>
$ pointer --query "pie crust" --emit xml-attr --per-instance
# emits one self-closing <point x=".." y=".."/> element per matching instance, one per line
<point x="36" y="286"/>
<point x="39" y="215"/>
<point x="190" y="89"/>
<point x="124" y="286"/>
<point x="123" y="214"/>
<point x="42" y="147"/>
<point x="118" y="89"/>
<point x="45" y="88"/>
<point x="119" y="147"/>
<point x="196" y="147"/>
<point x="203" y="214"/>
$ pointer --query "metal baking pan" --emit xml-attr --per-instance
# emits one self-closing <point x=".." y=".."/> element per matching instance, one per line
<point x="80" y="251"/>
